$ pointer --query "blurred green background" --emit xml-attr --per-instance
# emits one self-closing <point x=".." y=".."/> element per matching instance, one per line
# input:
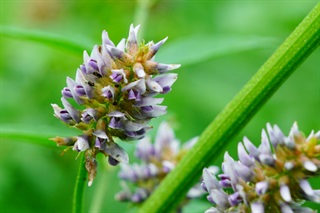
<point x="220" y="45"/>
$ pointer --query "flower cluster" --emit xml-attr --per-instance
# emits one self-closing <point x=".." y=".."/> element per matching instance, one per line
<point x="115" y="88"/>
<point x="157" y="160"/>
<point x="270" y="178"/>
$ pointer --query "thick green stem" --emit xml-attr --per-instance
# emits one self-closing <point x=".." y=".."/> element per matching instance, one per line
<point x="237" y="113"/>
<point x="79" y="187"/>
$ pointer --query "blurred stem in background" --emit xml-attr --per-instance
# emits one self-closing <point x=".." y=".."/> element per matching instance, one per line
<point x="274" y="72"/>
<point x="99" y="195"/>
<point x="141" y="14"/>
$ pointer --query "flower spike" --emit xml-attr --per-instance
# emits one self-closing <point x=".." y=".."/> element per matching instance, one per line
<point x="265" y="179"/>
<point x="115" y="87"/>
<point x="157" y="160"/>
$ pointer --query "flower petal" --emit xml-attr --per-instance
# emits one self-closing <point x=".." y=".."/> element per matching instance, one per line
<point x="310" y="166"/>
<point x="116" y="152"/>
<point x="71" y="110"/>
<point x="257" y="207"/>
<point x="285" y="193"/>
<point x="243" y="156"/>
<point x="72" y="85"/>
<point x="161" y="68"/>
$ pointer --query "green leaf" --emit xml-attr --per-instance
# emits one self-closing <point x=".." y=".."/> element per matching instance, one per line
<point x="273" y="73"/>
<point x="198" y="48"/>
<point x="54" y="40"/>
<point x="38" y="136"/>
<point x="32" y="137"/>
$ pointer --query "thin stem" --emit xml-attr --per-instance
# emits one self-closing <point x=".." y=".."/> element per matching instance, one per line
<point x="100" y="192"/>
<point x="295" y="49"/>
<point x="80" y="186"/>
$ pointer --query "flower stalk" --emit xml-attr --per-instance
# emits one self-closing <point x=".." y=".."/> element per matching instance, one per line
<point x="77" y="203"/>
<point x="295" y="49"/>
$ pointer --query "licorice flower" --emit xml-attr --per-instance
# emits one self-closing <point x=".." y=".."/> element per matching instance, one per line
<point x="270" y="178"/>
<point x="114" y="90"/>
<point x="156" y="161"/>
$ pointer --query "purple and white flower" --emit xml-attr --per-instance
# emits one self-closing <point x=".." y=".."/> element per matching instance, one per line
<point x="157" y="160"/>
<point x="270" y="178"/>
<point x="115" y="87"/>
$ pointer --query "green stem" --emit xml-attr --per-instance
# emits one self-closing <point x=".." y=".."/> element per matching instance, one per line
<point x="294" y="50"/>
<point x="79" y="187"/>
<point x="99" y="195"/>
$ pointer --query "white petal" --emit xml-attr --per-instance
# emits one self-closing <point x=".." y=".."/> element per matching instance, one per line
<point x="71" y="110"/>
<point x="122" y="45"/>
<point x="154" y="86"/>
<point x="149" y="101"/>
<point x="265" y="144"/>
<point x="100" y="134"/>
<point x="140" y="72"/>
<point x="166" y="67"/>
<point x="56" y="110"/>
<point x="310" y="166"/>
<point x="117" y="152"/>
<point x="285" y="208"/>
<point x="243" y="156"/>
<point x="289" y="165"/>
<point x="106" y="39"/>
<point x="257" y="207"/>
<point x="116" y="114"/>
<point x="139" y="85"/>
<point x="155" y="47"/>
<point x="164" y="137"/>
<point x="153" y="169"/>
<point x="85" y="57"/>
<point x="166" y="79"/>
<point x="253" y="151"/>
<point x="71" y="85"/>
<point x="167" y="165"/>
<point x="305" y="186"/>
<point x="294" y="130"/>
<point x="212" y="210"/>
<point x="82" y="144"/>
<point x="210" y="180"/>
<point x="132" y="126"/>
<point x="285" y="193"/>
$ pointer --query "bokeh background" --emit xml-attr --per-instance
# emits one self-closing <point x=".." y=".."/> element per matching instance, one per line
<point x="220" y="45"/>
